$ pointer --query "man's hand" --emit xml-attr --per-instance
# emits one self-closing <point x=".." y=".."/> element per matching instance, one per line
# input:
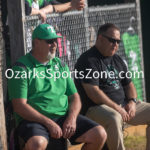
<point x="124" y="114"/>
<point x="131" y="109"/>
<point x="54" y="129"/>
<point x="42" y="15"/>
<point x="78" y="4"/>
<point x="69" y="127"/>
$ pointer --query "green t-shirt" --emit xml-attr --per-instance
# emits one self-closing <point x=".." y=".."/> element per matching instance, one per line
<point x="37" y="4"/>
<point x="41" y="2"/>
<point x="132" y="51"/>
<point x="46" y="87"/>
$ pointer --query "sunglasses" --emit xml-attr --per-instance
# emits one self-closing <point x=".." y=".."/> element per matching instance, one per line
<point x="51" y="41"/>
<point x="111" y="40"/>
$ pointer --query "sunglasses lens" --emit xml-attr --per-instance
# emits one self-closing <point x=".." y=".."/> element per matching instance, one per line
<point x="51" y="41"/>
<point x="112" y="40"/>
<point x="118" y="41"/>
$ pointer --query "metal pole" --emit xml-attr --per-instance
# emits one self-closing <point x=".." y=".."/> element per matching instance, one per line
<point x="16" y="17"/>
<point x="3" y="88"/>
<point x="86" y="12"/>
<point x="138" y="10"/>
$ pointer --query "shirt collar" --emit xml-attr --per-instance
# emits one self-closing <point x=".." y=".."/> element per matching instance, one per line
<point x="99" y="54"/>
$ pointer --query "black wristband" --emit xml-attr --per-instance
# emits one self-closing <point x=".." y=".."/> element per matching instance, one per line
<point x="53" y="9"/>
<point x="132" y="99"/>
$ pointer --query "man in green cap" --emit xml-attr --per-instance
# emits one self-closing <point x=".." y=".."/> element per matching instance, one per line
<point x="45" y="99"/>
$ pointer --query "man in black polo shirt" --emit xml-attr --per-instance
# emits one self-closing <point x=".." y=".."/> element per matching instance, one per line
<point x="108" y="95"/>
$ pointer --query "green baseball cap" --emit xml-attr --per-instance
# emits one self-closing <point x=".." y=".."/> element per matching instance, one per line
<point x="45" y="32"/>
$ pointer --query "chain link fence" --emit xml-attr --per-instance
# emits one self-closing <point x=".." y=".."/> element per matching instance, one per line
<point x="79" y="31"/>
<point x="103" y="2"/>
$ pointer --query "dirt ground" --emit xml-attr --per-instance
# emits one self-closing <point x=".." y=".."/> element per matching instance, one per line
<point x="131" y="143"/>
<point x="134" y="139"/>
<point x="135" y="143"/>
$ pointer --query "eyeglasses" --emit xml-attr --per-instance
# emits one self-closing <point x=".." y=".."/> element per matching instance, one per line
<point x="51" y="41"/>
<point x="111" y="40"/>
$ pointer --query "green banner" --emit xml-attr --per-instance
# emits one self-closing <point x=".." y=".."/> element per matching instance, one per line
<point x="133" y="55"/>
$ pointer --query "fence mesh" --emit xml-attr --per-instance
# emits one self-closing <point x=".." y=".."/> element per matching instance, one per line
<point x="79" y="30"/>
<point x="102" y="2"/>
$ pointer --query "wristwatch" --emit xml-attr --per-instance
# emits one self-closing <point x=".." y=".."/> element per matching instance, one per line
<point x="132" y="99"/>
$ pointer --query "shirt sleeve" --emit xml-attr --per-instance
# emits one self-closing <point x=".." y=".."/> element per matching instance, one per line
<point x="28" y="8"/>
<point x="125" y="81"/>
<point x="54" y="2"/>
<point x="87" y="72"/>
<point x="17" y="83"/>
<point x="51" y="2"/>
<point x="71" y="88"/>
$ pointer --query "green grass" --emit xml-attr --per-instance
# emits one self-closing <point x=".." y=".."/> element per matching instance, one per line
<point x="135" y="143"/>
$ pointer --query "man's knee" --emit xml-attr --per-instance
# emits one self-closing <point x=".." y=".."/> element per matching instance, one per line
<point x="104" y="115"/>
<point x="115" y="119"/>
<point x="100" y="134"/>
<point x="95" y="135"/>
<point x="36" y="142"/>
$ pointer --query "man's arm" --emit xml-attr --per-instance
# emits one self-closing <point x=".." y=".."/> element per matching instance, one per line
<point x="74" y="4"/>
<point x="27" y="112"/>
<point x="41" y="12"/>
<point x="99" y="97"/>
<point x="130" y="92"/>
<point x="74" y="106"/>
<point x="69" y="126"/>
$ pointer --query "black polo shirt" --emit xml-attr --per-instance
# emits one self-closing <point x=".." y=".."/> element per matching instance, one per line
<point x="108" y="73"/>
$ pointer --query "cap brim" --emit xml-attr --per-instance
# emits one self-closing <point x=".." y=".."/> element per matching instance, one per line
<point x="52" y="37"/>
